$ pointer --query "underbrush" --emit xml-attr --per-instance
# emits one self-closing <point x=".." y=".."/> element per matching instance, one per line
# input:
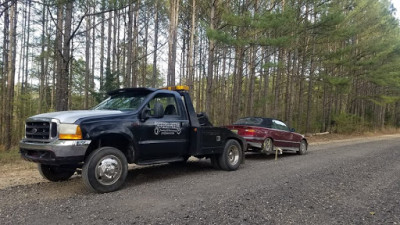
<point x="356" y="134"/>
<point x="11" y="156"/>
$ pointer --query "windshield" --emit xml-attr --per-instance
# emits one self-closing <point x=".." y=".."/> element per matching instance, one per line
<point x="122" y="102"/>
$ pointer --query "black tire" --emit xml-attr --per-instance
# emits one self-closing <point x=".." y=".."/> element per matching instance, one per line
<point x="302" y="148"/>
<point x="56" y="173"/>
<point x="105" y="170"/>
<point x="215" y="162"/>
<point x="232" y="156"/>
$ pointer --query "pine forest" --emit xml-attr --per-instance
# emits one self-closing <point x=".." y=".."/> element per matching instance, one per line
<point x="317" y="65"/>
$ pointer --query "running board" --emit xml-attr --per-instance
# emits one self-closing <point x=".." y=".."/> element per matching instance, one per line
<point x="159" y="161"/>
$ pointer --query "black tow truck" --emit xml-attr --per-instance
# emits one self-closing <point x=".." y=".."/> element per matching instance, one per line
<point x="133" y="125"/>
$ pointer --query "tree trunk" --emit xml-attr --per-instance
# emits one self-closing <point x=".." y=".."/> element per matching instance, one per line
<point x="27" y="49"/>
<point x="154" y="80"/>
<point x="237" y="84"/>
<point x="114" y="51"/>
<point x="4" y="74"/>
<point x="91" y="76"/>
<point x="11" y="74"/>
<point x="191" y="48"/>
<point x="59" y="58"/>
<point x="103" y="2"/>
<point x="210" y="63"/>
<point x="135" y="45"/>
<point x="66" y="55"/>
<point x="128" y="72"/>
<point x="252" y="77"/>
<point x="87" y="61"/>
<point x="42" y="62"/>
<point x="109" y="80"/>
<point x="172" y="39"/>
<point x="144" y="54"/>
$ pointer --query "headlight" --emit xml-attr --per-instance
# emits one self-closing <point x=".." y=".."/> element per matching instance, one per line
<point x="70" y="131"/>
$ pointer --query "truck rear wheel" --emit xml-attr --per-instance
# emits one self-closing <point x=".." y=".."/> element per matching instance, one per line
<point x="105" y="170"/>
<point x="232" y="156"/>
<point x="56" y="173"/>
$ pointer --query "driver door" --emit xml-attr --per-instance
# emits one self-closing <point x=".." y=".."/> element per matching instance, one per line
<point x="166" y="137"/>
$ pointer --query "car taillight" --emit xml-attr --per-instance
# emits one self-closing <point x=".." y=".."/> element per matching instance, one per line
<point x="249" y="132"/>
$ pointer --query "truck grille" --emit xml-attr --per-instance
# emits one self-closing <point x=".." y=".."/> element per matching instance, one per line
<point x="41" y="130"/>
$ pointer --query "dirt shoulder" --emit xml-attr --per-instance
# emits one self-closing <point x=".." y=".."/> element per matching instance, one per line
<point x="21" y="172"/>
<point x="335" y="138"/>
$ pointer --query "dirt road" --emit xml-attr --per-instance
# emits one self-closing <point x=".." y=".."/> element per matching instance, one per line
<point x="343" y="182"/>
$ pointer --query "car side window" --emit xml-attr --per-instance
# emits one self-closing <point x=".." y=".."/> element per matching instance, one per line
<point x="276" y="124"/>
<point x="168" y="102"/>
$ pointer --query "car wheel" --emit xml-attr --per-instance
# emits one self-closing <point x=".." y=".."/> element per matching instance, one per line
<point x="302" y="148"/>
<point x="105" y="170"/>
<point x="232" y="156"/>
<point x="267" y="146"/>
<point x="56" y="173"/>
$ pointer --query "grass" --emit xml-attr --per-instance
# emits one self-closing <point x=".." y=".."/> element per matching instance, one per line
<point x="11" y="156"/>
<point x="11" y="161"/>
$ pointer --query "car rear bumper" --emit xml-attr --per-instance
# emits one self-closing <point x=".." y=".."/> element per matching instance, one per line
<point x="55" y="152"/>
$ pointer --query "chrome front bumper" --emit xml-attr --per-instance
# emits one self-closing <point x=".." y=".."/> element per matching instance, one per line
<point x="57" y="151"/>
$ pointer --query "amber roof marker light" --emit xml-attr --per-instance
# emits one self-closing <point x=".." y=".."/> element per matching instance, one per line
<point x="177" y="88"/>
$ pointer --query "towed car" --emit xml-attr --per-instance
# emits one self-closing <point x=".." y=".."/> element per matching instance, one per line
<point x="266" y="135"/>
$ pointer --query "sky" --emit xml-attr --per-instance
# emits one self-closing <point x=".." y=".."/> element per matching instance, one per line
<point x="396" y="4"/>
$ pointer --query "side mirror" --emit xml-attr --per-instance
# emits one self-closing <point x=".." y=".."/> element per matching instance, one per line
<point x="292" y="130"/>
<point x="144" y="114"/>
<point x="158" y="110"/>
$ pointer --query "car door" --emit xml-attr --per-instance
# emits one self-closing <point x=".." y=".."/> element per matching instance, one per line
<point x="283" y="136"/>
<point x="165" y="137"/>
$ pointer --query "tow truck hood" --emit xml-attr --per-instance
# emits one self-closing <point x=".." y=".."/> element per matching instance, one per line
<point x="74" y="115"/>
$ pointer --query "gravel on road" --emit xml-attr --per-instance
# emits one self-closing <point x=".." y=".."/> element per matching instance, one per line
<point x="351" y="182"/>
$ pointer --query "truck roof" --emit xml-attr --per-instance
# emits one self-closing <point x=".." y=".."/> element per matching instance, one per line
<point x="148" y="90"/>
<point x="139" y="89"/>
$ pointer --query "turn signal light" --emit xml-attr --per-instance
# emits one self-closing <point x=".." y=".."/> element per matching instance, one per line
<point x="249" y="132"/>
<point x="67" y="132"/>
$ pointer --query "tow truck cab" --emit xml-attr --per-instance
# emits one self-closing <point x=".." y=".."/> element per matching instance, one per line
<point x="134" y="125"/>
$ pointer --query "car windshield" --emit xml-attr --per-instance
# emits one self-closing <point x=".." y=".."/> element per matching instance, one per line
<point x="122" y="102"/>
<point x="251" y="121"/>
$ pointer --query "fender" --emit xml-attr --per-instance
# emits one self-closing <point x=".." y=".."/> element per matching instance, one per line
<point x="97" y="130"/>
<point x="231" y="135"/>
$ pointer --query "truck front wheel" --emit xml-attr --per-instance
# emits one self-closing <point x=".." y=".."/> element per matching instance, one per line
<point x="232" y="156"/>
<point x="105" y="170"/>
<point x="56" y="173"/>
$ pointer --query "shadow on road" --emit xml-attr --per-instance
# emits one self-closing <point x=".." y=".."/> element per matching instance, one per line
<point x="260" y="156"/>
<point x="155" y="173"/>
<point x="141" y="175"/>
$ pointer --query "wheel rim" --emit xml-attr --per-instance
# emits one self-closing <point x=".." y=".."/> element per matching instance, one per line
<point x="233" y="155"/>
<point x="108" y="170"/>
<point x="303" y="147"/>
<point x="267" y="144"/>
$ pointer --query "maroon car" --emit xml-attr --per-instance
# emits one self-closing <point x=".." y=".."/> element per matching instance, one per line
<point x="263" y="134"/>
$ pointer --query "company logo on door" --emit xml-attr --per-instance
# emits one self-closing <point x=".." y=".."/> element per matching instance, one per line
<point x="164" y="128"/>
